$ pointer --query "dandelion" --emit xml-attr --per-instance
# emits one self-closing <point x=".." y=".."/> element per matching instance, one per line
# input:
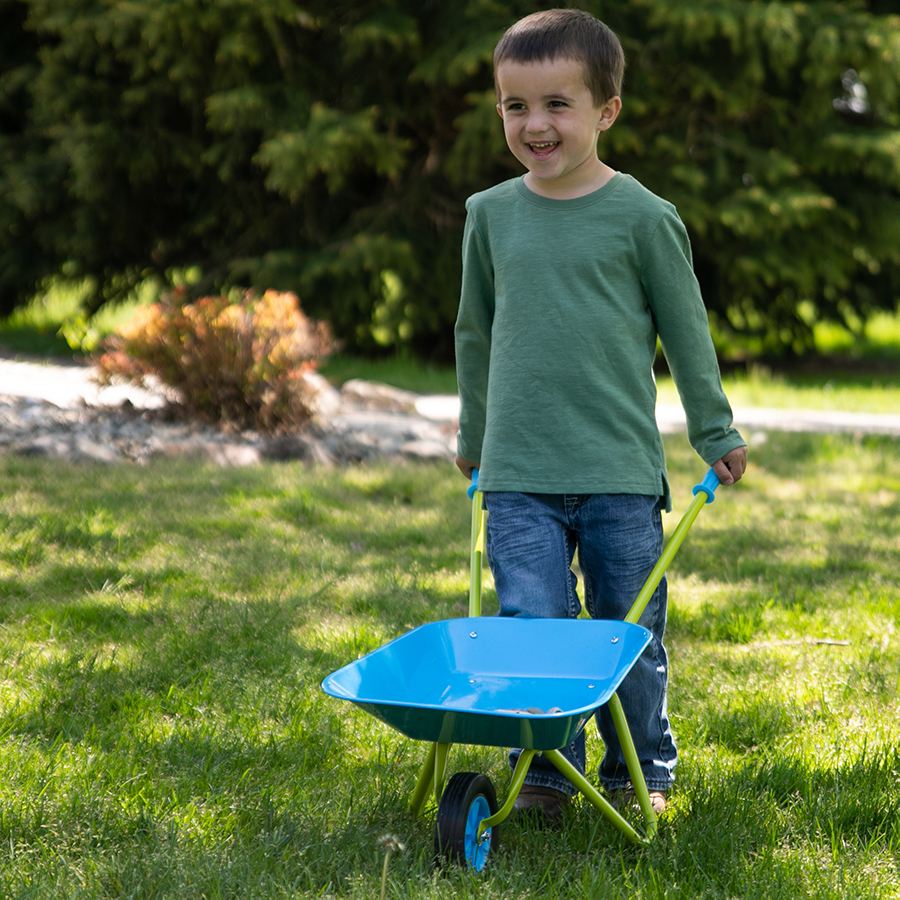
<point x="391" y="844"/>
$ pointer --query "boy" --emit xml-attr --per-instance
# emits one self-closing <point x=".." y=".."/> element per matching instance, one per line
<point x="569" y="274"/>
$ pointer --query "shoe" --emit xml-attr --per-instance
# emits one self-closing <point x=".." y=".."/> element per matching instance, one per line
<point x="549" y="803"/>
<point x="627" y="799"/>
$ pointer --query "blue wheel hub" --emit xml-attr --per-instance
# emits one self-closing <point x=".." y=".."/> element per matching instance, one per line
<point x="477" y="850"/>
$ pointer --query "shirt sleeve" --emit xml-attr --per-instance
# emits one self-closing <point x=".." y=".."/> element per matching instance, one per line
<point x="674" y="295"/>
<point x="473" y="341"/>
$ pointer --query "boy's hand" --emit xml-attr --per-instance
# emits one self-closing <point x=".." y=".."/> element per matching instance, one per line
<point x="731" y="466"/>
<point x="465" y="466"/>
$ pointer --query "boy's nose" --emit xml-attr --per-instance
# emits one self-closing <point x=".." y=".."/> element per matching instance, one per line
<point x="537" y="123"/>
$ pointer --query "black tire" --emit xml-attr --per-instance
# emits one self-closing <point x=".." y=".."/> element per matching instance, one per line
<point x="454" y="830"/>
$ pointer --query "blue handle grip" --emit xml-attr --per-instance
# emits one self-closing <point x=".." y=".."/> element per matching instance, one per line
<point x="708" y="486"/>
<point x="474" y="485"/>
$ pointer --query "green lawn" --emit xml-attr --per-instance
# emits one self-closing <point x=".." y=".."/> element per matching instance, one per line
<point x="164" y="631"/>
<point x="841" y="391"/>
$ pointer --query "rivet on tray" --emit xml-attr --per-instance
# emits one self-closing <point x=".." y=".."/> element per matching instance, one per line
<point x="473" y="634"/>
<point x="590" y="685"/>
<point x="615" y="640"/>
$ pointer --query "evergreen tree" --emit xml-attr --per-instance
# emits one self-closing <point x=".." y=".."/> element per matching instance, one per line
<point x="328" y="148"/>
<point x="23" y="214"/>
<point x="774" y="128"/>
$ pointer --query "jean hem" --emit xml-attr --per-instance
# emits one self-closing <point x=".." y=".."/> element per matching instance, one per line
<point x="624" y="784"/>
<point x="563" y="785"/>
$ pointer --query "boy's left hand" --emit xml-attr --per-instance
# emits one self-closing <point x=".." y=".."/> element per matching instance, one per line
<point x="465" y="466"/>
<point x="731" y="466"/>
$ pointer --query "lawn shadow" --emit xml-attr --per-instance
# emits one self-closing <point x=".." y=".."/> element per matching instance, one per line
<point x="120" y="665"/>
<point x="853" y="800"/>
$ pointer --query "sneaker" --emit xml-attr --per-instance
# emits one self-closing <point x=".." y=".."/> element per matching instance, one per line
<point x="627" y="799"/>
<point x="547" y="802"/>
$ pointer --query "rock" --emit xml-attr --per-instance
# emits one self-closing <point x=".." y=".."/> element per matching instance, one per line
<point x="424" y="449"/>
<point x="374" y="395"/>
<point x="94" y="451"/>
<point x="326" y="399"/>
<point x="45" y="445"/>
<point x="221" y="453"/>
<point x="362" y="422"/>
<point x="306" y="446"/>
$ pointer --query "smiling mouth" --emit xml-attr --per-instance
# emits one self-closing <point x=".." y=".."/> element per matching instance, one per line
<point x="543" y="148"/>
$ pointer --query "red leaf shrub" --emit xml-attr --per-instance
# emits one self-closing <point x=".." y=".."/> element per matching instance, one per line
<point x="240" y="363"/>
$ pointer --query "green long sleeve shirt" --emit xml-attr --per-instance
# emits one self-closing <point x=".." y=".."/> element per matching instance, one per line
<point x="561" y="305"/>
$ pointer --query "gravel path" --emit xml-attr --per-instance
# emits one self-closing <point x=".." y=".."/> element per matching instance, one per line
<point x="53" y="409"/>
<point x="71" y="386"/>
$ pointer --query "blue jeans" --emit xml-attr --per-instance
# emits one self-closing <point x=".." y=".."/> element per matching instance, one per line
<point x="531" y="542"/>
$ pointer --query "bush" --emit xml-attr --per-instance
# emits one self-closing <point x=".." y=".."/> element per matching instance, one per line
<point x="241" y="363"/>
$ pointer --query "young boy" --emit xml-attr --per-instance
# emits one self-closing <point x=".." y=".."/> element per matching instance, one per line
<point x="570" y="273"/>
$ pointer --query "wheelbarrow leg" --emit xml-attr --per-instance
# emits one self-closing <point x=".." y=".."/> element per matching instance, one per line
<point x="634" y="770"/>
<point x="426" y="780"/>
<point x="594" y="797"/>
<point x="515" y="786"/>
<point x="638" y="781"/>
<point x="432" y="777"/>
<point x="441" y="752"/>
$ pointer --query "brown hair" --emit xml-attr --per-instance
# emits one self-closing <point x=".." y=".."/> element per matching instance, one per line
<point x="569" y="34"/>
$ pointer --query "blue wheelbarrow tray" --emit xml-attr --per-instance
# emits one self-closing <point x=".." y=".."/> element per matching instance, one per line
<point x="501" y="682"/>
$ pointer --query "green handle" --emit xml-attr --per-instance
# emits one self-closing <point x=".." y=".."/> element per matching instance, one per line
<point x="703" y="494"/>
<point x="476" y="558"/>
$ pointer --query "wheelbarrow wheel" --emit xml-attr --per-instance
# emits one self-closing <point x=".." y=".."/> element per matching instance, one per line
<point x="468" y="799"/>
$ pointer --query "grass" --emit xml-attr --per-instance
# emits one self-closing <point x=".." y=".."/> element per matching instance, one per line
<point x="54" y="324"/>
<point x="35" y="329"/>
<point x="847" y="391"/>
<point x="164" y="631"/>
<point x="847" y="387"/>
<point x="399" y="371"/>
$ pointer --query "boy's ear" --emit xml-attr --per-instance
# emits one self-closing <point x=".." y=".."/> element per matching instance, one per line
<point x="609" y="113"/>
<point x="500" y="110"/>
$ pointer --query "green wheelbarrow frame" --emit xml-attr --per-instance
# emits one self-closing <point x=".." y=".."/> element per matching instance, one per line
<point x="433" y="774"/>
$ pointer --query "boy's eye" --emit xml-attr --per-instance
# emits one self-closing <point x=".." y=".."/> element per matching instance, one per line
<point x="558" y="103"/>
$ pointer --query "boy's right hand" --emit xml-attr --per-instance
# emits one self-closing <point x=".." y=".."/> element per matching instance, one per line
<point x="465" y="466"/>
<point x="731" y="466"/>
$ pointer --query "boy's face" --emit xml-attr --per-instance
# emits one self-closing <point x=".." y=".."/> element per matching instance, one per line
<point x="552" y="124"/>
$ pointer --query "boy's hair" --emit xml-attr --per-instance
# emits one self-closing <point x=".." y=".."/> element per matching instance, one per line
<point x="568" y="34"/>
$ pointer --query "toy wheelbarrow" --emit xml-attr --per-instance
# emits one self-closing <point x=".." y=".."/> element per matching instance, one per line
<point x="507" y="682"/>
